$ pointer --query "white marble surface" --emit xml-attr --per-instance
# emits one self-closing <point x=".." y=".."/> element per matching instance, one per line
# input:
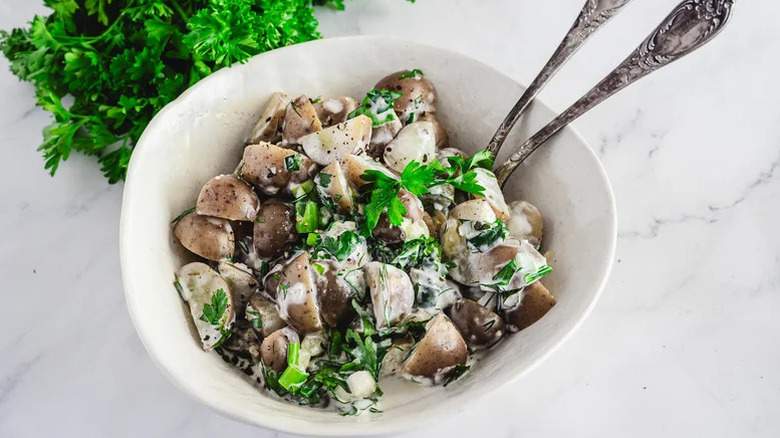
<point x="684" y="341"/>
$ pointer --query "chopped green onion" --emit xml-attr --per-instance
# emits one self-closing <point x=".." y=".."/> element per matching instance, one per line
<point x="292" y="378"/>
<point x="530" y="278"/>
<point x="311" y="239"/>
<point x="292" y="353"/>
<point x="293" y="162"/>
<point x="303" y="189"/>
<point x="319" y="268"/>
<point x="307" y="217"/>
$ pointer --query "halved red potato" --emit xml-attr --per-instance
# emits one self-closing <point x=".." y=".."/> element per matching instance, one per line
<point x="273" y="350"/>
<point x="478" y="325"/>
<point x="242" y="283"/>
<point x="274" y="228"/>
<point x="418" y="97"/>
<point x="441" y="347"/>
<point x="332" y="183"/>
<point x="209" y="237"/>
<point x="332" y="144"/>
<point x="300" y="119"/>
<point x="228" y="197"/>
<point x="296" y="295"/>
<point x="415" y="142"/>
<point x="525" y="223"/>
<point x="272" y="169"/>
<point x="269" y="128"/>
<point x="356" y="165"/>
<point x="262" y="315"/>
<point x="334" y="111"/>
<point x="210" y="300"/>
<point x="392" y="293"/>
<point x="535" y="302"/>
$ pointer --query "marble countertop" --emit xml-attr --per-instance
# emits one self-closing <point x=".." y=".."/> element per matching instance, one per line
<point x="684" y="341"/>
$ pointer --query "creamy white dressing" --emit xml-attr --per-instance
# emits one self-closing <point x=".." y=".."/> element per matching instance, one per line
<point x="493" y="193"/>
<point x="333" y="106"/>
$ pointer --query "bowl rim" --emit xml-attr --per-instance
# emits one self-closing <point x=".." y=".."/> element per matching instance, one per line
<point x="357" y="428"/>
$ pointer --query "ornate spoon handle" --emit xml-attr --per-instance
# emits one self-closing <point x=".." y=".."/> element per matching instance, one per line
<point x="593" y="15"/>
<point x="691" y="24"/>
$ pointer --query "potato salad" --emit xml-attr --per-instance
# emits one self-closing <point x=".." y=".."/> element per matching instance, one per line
<point x="352" y="244"/>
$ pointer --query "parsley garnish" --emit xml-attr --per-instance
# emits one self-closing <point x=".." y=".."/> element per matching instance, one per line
<point x="212" y="313"/>
<point x="323" y="180"/>
<point x="531" y="277"/>
<point x="488" y="235"/>
<point x="457" y="372"/>
<point x="337" y="247"/>
<point x="256" y="321"/>
<point x="293" y="162"/>
<point x="414" y="73"/>
<point x="418" y="179"/>
<point x="378" y="106"/>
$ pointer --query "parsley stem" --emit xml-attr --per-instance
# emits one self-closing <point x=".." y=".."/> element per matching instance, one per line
<point x="184" y="17"/>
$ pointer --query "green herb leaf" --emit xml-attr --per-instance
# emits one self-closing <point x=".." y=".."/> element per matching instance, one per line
<point x="456" y="373"/>
<point x="378" y="106"/>
<point x="414" y="73"/>
<point x="212" y="313"/>
<point x="530" y="278"/>
<point x="183" y="213"/>
<point x="336" y="247"/>
<point x="293" y="162"/>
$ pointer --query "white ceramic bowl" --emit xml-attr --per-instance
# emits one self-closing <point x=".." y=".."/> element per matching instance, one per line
<point x="201" y="134"/>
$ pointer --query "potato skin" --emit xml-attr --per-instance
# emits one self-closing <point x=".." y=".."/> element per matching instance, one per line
<point x="418" y="97"/>
<point x="442" y="138"/>
<point x="392" y="293"/>
<point x="241" y="281"/>
<point x="273" y="350"/>
<point x="534" y="304"/>
<point x="334" y="111"/>
<point x="299" y="119"/>
<point x="390" y="233"/>
<point x="264" y="167"/>
<point x="525" y="222"/>
<point x="297" y="294"/>
<point x="441" y="347"/>
<point x="334" y="295"/>
<point x="274" y="229"/>
<point x="209" y="237"/>
<point x="228" y="197"/>
<point x="265" y="310"/>
<point x="269" y="127"/>
<point x="478" y="325"/>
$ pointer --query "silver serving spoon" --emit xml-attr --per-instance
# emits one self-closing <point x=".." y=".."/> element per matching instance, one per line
<point x="594" y="14"/>
<point x="691" y="24"/>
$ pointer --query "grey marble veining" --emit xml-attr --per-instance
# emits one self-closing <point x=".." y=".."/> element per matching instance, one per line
<point x="684" y="341"/>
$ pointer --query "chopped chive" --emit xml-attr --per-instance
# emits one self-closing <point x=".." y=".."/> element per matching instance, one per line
<point x="304" y="189"/>
<point x="292" y="378"/>
<point x="307" y="217"/>
<point x="293" y="351"/>
<point x="184" y="213"/>
<point x="319" y="268"/>
<point x="311" y="239"/>
<point x="293" y="162"/>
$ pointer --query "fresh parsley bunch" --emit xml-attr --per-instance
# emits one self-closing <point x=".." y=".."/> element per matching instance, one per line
<point x="120" y="62"/>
